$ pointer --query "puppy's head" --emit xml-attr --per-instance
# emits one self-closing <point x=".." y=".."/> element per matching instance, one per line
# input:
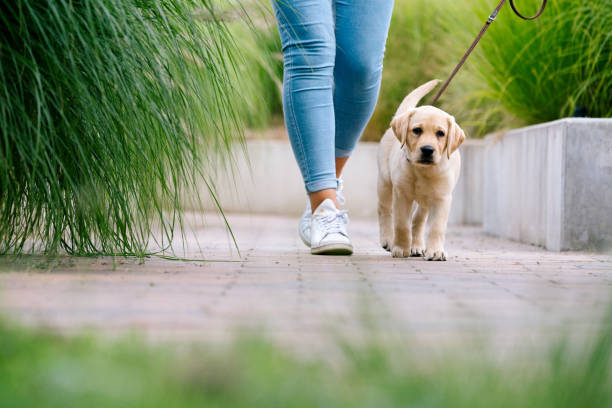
<point x="428" y="133"/>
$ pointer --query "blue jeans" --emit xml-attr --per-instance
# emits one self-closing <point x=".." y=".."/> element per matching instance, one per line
<point x="333" y="52"/>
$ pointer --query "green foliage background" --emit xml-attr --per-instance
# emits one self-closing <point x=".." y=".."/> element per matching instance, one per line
<point x="522" y="72"/>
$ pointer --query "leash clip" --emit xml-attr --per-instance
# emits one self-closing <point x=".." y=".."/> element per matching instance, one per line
<point x="493" y="16"/>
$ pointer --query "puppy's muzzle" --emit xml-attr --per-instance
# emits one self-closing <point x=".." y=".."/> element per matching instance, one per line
<point x="427" y="154"/>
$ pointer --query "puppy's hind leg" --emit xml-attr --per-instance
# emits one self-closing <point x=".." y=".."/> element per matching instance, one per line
<point x="419" y="220"/>
<point x="384" y="213"/>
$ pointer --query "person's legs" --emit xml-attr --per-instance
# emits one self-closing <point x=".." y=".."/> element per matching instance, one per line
<point x="340" y="162"/>
<point x="361" y="33"/>
<point x="307" y="35"/>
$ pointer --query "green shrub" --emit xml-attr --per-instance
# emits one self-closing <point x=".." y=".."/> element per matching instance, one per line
<point x="542" y="70"/>
<point x="522" y="72"/>
<point x="261" y="70"/>
<point x="109" y="110"/>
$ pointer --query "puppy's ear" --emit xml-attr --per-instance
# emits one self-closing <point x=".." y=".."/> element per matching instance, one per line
<point x="400" y="125"/>
<point x="455" y="137"/>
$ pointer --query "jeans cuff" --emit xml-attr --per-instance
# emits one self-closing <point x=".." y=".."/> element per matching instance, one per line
<point x="319" y="185"/>
<point x="343" y="152"/>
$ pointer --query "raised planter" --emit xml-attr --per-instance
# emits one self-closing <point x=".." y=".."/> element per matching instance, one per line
<point x="272" y="183"/>
<point x="551" y="184"/>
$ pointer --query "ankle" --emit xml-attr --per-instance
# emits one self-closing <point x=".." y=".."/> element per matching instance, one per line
<point x="318" y="197"/>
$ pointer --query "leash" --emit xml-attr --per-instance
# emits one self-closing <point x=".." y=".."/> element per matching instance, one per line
<point x="490" y="20"/>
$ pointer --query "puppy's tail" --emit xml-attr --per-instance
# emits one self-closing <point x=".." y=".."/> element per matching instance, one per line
<point x="415" y="96"/>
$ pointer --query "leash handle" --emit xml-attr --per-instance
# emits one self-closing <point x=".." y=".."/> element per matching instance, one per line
<point x="536" y="15"/>
<point x="490" y="20"/>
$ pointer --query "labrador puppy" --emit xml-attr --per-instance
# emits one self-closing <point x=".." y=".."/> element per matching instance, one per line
<point x="418" y="168"/>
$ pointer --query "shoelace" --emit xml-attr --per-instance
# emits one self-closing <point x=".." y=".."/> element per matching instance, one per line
<point x="334" y="223"/>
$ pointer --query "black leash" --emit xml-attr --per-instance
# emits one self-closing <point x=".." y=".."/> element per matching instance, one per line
<point x="482" y="31"/>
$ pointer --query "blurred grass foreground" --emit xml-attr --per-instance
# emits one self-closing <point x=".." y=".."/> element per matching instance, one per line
<point x="44" y="369"/>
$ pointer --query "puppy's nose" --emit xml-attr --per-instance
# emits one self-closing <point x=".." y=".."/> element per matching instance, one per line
<point x="427" y="151"/>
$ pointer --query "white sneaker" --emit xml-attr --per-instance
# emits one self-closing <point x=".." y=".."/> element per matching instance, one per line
<point x="328" y="235"/>
<point x="304" y="224"/>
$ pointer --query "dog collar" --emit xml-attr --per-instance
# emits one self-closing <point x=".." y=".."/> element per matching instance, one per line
<point x="406" y="154"/>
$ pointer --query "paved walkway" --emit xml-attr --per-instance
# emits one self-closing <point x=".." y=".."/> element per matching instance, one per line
<point x="498" y="288"/>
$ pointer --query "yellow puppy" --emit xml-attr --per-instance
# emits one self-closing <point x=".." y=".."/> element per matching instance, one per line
<point x="418" y="168"/>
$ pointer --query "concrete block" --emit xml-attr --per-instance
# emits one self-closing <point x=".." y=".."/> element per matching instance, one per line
<point x="468" y="199"/>
<point x="551" y="184"/>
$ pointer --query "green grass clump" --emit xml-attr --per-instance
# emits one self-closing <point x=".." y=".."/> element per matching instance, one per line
<point x="521" y="72"/>
<point x="109" y="110"/>
<point x="42" y="369"/>
<point x="260" y="66"/>
<point x="542" y="70"/>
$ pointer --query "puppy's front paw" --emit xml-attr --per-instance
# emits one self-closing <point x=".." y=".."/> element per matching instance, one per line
<point x="399" y="252"/>
<point x="435" y="255"/>
<point x="386" y="244"/>
<point x="416" y="251"/>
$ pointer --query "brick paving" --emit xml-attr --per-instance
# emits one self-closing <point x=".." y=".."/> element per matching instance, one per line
<point x="502" y="289"/>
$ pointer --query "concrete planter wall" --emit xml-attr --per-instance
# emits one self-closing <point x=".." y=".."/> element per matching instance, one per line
<point x="548" y="185"/>
<point x="468" y="197"/>
<point x="551" y="184"/>
<point x="273" y="185"/>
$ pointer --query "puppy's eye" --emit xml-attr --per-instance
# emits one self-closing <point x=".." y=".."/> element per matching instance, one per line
<point x="417" y="131"/>
<point x="440" y="133"/>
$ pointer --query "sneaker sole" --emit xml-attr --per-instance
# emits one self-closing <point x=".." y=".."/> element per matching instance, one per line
<point x="332" y="249"/>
